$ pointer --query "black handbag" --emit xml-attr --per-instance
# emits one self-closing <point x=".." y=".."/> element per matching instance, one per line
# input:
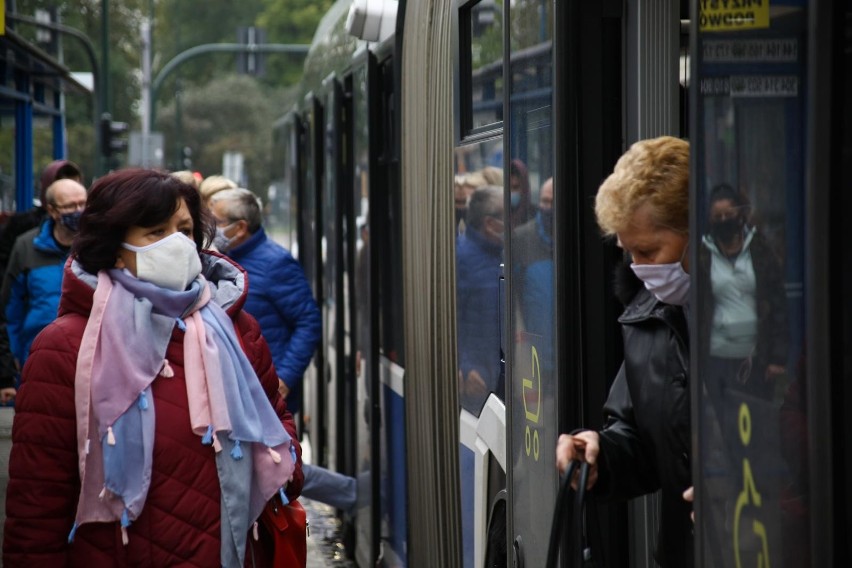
<point x="579" y="554"/>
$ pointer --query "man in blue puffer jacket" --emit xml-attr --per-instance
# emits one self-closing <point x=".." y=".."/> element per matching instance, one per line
<point x="279" y="295"/>
<point x="33" y="280"/>
<point x="280" y="298"/>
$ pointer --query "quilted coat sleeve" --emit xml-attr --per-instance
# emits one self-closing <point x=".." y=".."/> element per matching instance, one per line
<point x="294" y="301"/>
<point x="43" y="477"/>
<point x="258" y="353"/>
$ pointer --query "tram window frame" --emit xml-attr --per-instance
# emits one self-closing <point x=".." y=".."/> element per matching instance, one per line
<point x="463" y="76"/>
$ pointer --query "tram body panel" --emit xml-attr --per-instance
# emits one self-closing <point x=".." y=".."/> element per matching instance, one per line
<point x="749" y="135"/>
<point x="565" y="105"/>
<point x="394" y="482"/>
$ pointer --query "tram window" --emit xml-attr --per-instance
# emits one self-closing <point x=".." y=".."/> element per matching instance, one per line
<point x="749" y="147"/>
<point x="481" y="63"/>
<point x="480" y="227"/>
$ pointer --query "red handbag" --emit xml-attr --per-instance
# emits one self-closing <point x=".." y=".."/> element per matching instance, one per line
<point x="288" y="527"/>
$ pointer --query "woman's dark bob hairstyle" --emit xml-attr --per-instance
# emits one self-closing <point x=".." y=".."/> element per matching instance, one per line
<point x="736" y="197"/>
<point x="133" y="197"/>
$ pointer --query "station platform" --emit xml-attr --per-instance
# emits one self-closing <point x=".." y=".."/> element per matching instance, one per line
<point x="325" y="545"/>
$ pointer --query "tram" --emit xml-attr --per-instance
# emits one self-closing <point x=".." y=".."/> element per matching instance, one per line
<point x="443" y="389"/>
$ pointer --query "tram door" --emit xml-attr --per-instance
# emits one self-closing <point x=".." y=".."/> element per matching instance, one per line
<point x="482" y="227"/>
<point x="281" y="222"/>
<point x="363" y="313"/>
<point x="533" y="386"/>
<point x="333" y="306"/>
<point x="310" y="250"/>
<point x="748" y="248"/>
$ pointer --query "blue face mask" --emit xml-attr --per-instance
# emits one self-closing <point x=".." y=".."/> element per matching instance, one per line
<point x="515" y="199"/>
<point x="71" y="221"/>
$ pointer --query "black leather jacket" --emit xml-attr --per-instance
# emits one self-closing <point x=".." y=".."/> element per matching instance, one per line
<point x="645" y="444"/>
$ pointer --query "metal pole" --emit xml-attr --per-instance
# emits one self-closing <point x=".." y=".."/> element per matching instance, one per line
<point x="107" y="106"/>
<point x="296" y="49"/>
<point x="89" y="48"/>
<point x="105" y="98"/>
<point x="146" y="91"/>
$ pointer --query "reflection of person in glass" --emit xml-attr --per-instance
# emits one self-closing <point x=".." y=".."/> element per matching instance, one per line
<point x="745" y="316"/>
<point x="463" y="188"/>
<point x="532" y="245"/>
<point x="645" y="443"/>
<point x="519" y="185"/>
<point x="479" y="253"/>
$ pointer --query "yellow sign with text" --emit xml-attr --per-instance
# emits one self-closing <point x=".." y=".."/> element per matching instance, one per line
<point x="2" y="17"/>
<point x="733" y="15"/>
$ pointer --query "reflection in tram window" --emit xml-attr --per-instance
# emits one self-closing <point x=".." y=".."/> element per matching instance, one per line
<point x="486" y="62"/>
<point x="750" y="153"/>
<point x="532" y="247"/>
<point x="520" y="198"/>
<point x="479" y="253"/>
<point x="744" y="310"/>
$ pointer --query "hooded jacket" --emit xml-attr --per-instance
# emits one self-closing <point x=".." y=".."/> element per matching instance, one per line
<point x="645" y="444"/>
<point x="772" y="342"/>
<point x="180" y="523"/>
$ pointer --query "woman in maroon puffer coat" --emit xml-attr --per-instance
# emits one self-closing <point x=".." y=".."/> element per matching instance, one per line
<point x="150" y="393"/>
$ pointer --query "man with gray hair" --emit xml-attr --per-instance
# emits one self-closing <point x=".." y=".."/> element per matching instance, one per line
<point x="279" y="295"/>
<point x="479" y="252"/>
<point x="280" y="298"/>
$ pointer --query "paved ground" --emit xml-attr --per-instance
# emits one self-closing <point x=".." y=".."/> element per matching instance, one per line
<point x="6" y="415"/>
<point x="325" y="548"/>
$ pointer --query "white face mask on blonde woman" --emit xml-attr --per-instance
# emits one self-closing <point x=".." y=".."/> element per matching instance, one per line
<point x="659" y="257"/>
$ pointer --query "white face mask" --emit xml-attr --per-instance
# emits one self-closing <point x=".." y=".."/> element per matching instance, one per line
<point x="170" y="263"/>
<point x="668" y="282"/>
<point x="221" y="241"/>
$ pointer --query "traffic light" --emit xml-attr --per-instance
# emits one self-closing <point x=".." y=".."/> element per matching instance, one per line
<point x="113" y="140"/>
<point x="186" y="157"/>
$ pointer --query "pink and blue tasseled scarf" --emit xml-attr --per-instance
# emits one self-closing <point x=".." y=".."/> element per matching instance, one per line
<point x="122" y="353"/>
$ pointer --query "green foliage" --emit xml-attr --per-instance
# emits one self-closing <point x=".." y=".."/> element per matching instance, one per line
<point x="527" y="26"/>
<point x="233" y="113"/>
<point x="180" y="24"/>
<point x="290" y="21"/>
<point x="220" y="111"/>
<point x="487" y="45"/>
<point x="124" y="48"/>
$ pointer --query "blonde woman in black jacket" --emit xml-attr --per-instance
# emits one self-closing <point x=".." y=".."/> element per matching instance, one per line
<point x="645" y="443"/>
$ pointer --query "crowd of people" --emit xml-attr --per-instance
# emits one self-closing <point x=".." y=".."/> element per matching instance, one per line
<point x="154" y="390"/>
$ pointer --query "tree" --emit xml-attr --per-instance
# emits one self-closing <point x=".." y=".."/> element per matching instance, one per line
<point x="125" y="46"/>
<point x="233" y="113"/>
<point x="289" y="21"/>
<point x="179" y="25"/>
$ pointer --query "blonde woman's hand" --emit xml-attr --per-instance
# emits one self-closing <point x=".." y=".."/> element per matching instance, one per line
<point x="583" y="446"/>
<point x="689" y="497"/>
